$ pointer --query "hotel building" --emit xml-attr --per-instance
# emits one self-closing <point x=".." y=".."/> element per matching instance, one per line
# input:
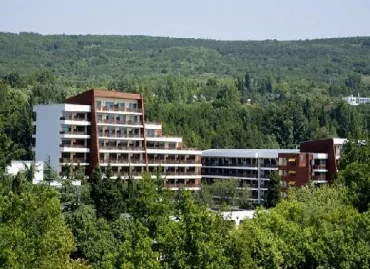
<point x="251" y="167"/>
<point x="316" y="161"/>
<point x="99" y="127"/>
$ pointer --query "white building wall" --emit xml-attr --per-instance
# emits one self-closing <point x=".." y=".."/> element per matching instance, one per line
<point x="48" y="133"/>
<point x="17" y="166"/>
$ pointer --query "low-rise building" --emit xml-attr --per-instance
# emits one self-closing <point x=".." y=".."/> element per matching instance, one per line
<point x="23" y="166"/>
<point x="315" y="161"/>
<point x="356" y="100"/>
<point x="251" y="167"/>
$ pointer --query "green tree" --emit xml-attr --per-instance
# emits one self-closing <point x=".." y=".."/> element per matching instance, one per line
<point x="197" y="239"/>
<point x="273" y="195"/>
<point x="32" y="230"/>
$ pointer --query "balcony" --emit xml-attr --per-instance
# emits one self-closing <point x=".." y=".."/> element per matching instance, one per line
<point x="75" y="118"/>
<point x="118" y="135"/>
<point x="268" y="165"/>
<point x="121" y="148"/>
<point x="319" y="179"/>
<point x="119" y="109"/>
<point x="74" y="160"/>
<point x="127" y="122"/>
<point x="177" y="173"/>
<point x="73" y="146"/>
<point x="122" y="161"/>
<point x="180" y="186"/>
<point x="161" y="161"/>
<point x="73" y="132"/>
<point x="319" y="167"/>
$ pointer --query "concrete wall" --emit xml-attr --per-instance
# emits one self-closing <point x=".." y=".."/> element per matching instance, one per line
<point x="48" y="129"/>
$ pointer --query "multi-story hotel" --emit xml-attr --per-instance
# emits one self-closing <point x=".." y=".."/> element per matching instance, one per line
<point x="251" y="167"/>
<point x="316" y="161"/>
<point x="101" y="127"/>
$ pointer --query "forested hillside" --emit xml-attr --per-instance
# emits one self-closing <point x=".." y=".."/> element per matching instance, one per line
<point x="216" y="94"/>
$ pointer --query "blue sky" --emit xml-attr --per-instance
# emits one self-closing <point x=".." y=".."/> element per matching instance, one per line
<point x="217" y="19"/>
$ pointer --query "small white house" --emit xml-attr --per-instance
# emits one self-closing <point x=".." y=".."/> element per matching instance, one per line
<point x="17" y="166"/>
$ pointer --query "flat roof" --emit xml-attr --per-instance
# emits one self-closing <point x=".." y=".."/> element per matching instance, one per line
<point x="247" y="153"/>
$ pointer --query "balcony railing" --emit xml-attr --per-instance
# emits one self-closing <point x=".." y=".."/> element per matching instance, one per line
<point x="184" y="185"/>
<point x="120" y="109"/>
<point x="101" y="134"/>
<point x="127" y="122"/>
<point x="268" y="165"/>
<point x="319" y="178"/>
<point x="121" y="148"/>
<point x="160" y="161"/>
<point x="73" y="133"/>
<point x="73" y="146"/>
<point x="177" y="173"/>
<point x="319" y="166"/>
<point x="230" y="164"/>
<point x="73" y="118"/>
<point x="74" y="160"/>
<point x="122" y="161"/>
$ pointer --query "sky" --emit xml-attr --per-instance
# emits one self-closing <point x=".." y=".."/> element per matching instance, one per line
<point x="216" y="19"/>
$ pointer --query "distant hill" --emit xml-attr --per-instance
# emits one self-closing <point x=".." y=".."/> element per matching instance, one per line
<point x="87" y="57"/>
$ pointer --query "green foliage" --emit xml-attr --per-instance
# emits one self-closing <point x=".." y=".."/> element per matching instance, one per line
<point x="273" y="196"/>
<point x="32" y="230"/>
<point x="108" y="195"/>
<point x="224" y="194"/>
<point x="197" y="239"/>
<point x="314" y="228"/>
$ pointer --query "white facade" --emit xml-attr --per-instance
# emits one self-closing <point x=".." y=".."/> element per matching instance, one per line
<point x="54" y="126"/>
<point x="355" y="101"/>
<point x="252" y="167"/>
<point x="22" y="166"/>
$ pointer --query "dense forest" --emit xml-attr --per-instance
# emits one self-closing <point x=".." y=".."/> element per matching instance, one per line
<point x="216" y="94"/>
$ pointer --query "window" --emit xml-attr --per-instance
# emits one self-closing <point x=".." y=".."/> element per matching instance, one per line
<point x="292" y="173"/>
<point x="34" y="116"/>
<point x="98" y="105"/>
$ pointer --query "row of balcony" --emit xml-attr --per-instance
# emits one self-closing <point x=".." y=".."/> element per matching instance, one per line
<point x="73" y="160"/>
<point x="75" y="118"/>
<point x="73" y="146"/>
<point x="181" y="186"/>
<point x="267" y="165"/>
<point x="232" y="174"/>
<point x="121" y="109"/>
<point x="126" y="122"/>
<point x="119" y="135"/>
<point x="117" y="147"/>
<point x="151" y="161"/>
<point x="73" y="132"/>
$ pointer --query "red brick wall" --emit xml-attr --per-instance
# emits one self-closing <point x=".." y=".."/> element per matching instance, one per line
<point x="323" y="146"/>
<point x="302" y="167"/>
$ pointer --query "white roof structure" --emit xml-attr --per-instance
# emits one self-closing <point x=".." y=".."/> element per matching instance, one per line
<point x="247" y="153"/>
<point x="238" y="216"/>
<point x="19" y="166"/>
